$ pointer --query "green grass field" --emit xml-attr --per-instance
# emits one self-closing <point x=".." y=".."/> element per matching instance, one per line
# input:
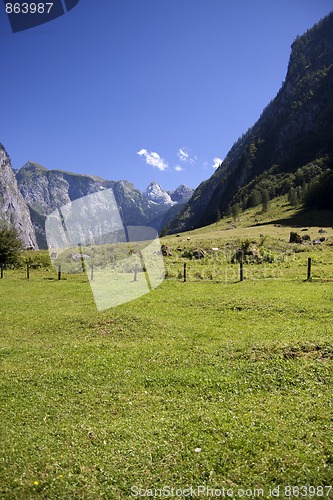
<point x="214" y="382"/>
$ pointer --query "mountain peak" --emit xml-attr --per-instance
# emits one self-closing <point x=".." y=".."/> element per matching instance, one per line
<point x="33" y="168"/>
<point x="155" y="194"/>
<point x="182" y="194"/>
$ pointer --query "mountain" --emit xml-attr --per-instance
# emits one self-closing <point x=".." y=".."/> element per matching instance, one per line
<point x="13" y="209"/>
<point x="289" y="147"/>
<point x="172" y="201"/>
<point x="156" y="195"/>
<point x="47" y="190"/>
<point x="182" y="194"/>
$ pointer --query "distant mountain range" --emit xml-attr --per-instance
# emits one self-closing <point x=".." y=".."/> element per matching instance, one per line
<point x="34" y="192"/>
<point x="155" y="194"/>
<point x="289" y="149"/>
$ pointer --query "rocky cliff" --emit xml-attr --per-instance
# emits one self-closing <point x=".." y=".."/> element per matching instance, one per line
<point x="13" y="209"/>
<point x="293" y="134"/>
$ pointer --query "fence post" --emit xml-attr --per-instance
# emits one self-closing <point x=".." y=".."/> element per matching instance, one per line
<point x="1" y="271"/>
<point x="184" y="272"/>
<point x="59" y="272"/>
<point x="309" y="269"/>
<point x="241" y="268"/>
<point x="28" y="271"/>
<point x="92" y="272"/>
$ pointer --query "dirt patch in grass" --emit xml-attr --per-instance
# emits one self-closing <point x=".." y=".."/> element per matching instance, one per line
<point x="311" y="351"/>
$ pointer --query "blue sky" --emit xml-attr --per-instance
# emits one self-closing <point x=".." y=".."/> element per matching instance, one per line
<point x="145" y="90"/>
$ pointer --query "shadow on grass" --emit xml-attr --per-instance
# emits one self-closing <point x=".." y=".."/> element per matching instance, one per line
<point x="303" y="218"/>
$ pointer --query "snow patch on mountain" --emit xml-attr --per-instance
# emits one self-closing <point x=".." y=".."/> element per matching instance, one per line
<point x="155" y="194"/>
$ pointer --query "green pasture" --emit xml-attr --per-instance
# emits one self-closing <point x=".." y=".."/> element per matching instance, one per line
<point x="196" y="383"/>
<point x="214" y="382"/>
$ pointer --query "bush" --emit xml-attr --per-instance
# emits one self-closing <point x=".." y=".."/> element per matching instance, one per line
<point x="320" y="192"/>
<point x="10" y="247"/>
<point x="36" y="259"/>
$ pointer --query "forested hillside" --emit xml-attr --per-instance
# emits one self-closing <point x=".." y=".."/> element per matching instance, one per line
<point x="289" y="150"/>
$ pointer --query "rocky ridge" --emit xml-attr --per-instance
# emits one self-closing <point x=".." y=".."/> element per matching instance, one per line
<point x="13" y="209"/>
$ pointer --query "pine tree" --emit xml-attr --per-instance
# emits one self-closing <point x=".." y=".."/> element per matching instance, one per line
<point x="235" y="211"/>
<point x="265" y="199"/>
<point x="292" y="197"/>
<point x="255" y="198"/>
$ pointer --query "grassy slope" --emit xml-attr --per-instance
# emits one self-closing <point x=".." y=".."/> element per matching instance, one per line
<point x="277" y="222"/>
<point x="270" y="232"/>
<point x="94" y="403"/>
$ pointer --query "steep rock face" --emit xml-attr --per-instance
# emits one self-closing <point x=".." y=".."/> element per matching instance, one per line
<point x="45" y="190"/>
<point x="295" y="129"/>
<point x="13" y="209"/>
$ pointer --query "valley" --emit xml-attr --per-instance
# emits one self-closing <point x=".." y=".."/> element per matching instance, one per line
<point x="219" y="378"/>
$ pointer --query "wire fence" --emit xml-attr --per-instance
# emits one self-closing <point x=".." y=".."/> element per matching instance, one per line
<point x="306" y="268"/>
<point x="212" y="268"/>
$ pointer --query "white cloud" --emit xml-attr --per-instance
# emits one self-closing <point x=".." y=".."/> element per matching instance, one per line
<point x="216" y="162"/>
<point x="178" y="168"/>
<point x="153" y="159"/>
<point x="184" y="156"/>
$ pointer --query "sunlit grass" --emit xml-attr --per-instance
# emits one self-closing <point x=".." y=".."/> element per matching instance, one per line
<point x="94" y="403"/>
<point x="211" y="382"/>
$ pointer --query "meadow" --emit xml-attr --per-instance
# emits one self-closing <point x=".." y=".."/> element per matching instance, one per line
<point x="213" y="383"/>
